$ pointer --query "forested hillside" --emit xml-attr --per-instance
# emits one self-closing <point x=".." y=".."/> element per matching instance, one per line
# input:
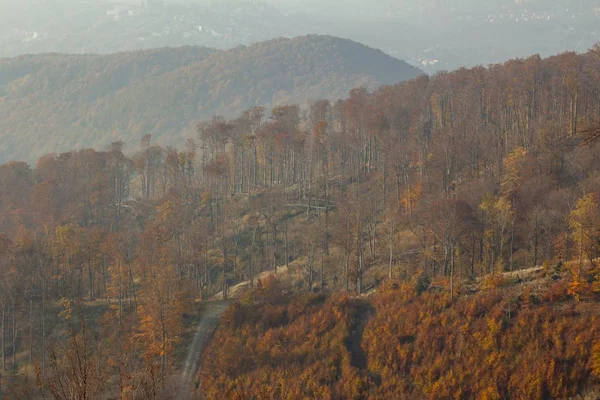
<point x="509" y="341"/>
<point x="54" y="103"/>
<point x="444" y="188"/>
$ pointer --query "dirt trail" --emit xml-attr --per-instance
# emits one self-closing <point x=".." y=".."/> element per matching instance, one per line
<point x="206" y="326"/>
<point x="208" y="322"/>
<point x="236" y="290"/>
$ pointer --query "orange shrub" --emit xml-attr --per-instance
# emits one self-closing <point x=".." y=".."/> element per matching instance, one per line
<point x="497" y="344"/>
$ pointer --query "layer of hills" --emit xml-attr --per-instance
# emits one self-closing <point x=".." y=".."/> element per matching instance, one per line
<point x="55" y="102"/>
<point x="436" y="35"/>
<point x="451" y="189"/>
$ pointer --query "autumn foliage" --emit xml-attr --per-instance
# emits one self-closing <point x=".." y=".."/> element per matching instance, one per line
<point x="519" y="342"/>
<point x="467" y="180"/>
<point x="272" y="345"/>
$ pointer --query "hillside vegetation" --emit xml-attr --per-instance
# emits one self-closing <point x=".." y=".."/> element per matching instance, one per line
<point x="428" y="193"/>
<point x="53" y="102"/>
<point x="509" y="341"/>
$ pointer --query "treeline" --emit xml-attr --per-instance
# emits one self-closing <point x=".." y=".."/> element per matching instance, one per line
<point x="164" y="92"/>
<point x="460" y="175"/>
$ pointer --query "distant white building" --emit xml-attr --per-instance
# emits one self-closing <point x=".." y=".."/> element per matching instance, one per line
<point x="120" y="11"/>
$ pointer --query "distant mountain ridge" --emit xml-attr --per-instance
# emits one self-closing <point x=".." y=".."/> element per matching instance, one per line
<point x="54" y="102"/>
<point x="434" y="35"/>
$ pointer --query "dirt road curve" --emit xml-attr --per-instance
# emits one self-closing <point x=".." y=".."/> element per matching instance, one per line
<point x="208" y="322"/>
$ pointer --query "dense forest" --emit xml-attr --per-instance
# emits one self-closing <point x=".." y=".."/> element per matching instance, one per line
<point x="435" y="197"/>
<point x="529" y="341"/>
<point x="165" y="92"/>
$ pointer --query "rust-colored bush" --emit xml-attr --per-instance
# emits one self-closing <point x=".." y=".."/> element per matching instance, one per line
<point x="497" y="344"/>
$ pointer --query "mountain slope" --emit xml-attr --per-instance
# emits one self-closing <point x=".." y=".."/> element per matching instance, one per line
<point x="51" y="103"/>
<point x="528" y="340"/>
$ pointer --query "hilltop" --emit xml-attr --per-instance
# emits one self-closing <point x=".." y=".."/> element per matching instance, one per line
<point x="55" y="102"/>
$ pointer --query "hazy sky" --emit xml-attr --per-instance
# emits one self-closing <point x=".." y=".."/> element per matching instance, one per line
<point x="433" y="34"/>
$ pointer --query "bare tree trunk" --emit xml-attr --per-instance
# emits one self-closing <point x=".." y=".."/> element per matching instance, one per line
<point x="255" y="172"/>
<point x="43" y="330"/>
<point x="30" y="330"/>
<point x="120" y="295"/>
<point x="347" y="271"/>
<point x="285" y="170"/>
<point x="308" y="191"/>
<point x="132" y="286"/>
<point x="512" y="241"/>
<point x="91" y="279"/>
<point x="310" y="262"/>
<point x="452" y="274"/>
<point x="264" y="182"/>
<point x="391" y="245"/>
<point x="224" y="271"/>
<point x="274" y="249"/>
<point x="271" y="168"/>
<point x="3" y="333"/>
<point x="14" y="337"/>
<point x="327" y="211"/>
<point x="206" y="275"/>
<point x="322" y="272"/>
<point x="242" y="172"/>
<point x="580" y="251"/>
<point x="360" y="268"/>
<point x="163" y="364"/>
<point x="287" y="258"/>
<point x="251" y="258"/>
<point x="104" y="278"/>
<point x="535" y="248"/>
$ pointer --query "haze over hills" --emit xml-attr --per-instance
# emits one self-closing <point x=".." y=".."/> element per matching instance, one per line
<point x="66" y="26"/>
<point x="165" y="92"/>
<point x="435" y="35"/>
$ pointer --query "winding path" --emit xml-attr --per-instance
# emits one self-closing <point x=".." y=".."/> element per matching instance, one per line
<point x="208" y="322"/>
